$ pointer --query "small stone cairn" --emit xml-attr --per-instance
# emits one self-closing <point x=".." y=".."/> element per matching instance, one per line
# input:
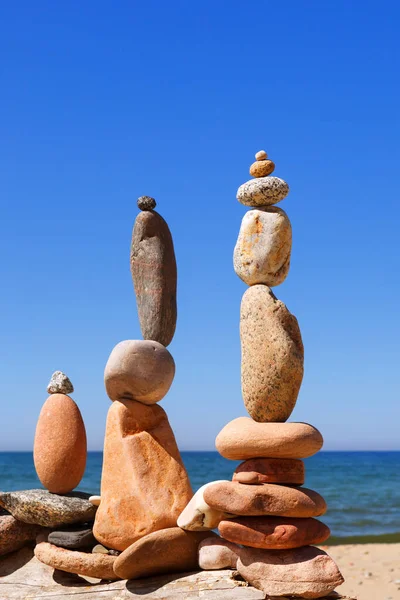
<point x="265" y="518"/>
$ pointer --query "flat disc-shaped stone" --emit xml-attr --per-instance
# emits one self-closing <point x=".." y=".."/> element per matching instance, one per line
<point x="153" y="268"/>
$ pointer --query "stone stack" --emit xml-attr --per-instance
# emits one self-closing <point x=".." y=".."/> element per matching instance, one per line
<point x="144" y="484"/>
<point x="265" y="518"/>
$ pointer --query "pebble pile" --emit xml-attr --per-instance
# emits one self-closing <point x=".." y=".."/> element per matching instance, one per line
<point x="266" y="519"/>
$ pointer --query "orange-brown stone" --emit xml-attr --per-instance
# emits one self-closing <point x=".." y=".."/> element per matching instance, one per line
<point x="60" y="445"/>
<point x="262" y="168"/>
<point x="144" y="485"/>
<point x="274" y="533"/>
<point x="270" y="470"/>
<point x="72" y="561"/>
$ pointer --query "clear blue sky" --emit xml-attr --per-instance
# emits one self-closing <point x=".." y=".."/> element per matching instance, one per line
<point x="102" y="102"/>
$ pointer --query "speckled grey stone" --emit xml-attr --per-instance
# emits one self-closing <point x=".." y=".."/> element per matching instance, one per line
<point x="40" y="507"/>
<point x="262" y="191"/>
<point x="146" y="203"/>
<point x="60" y="384"/>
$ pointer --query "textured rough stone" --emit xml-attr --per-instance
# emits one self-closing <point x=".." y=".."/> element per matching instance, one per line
<point x="15" y="534"/>
<point x="262" y="251"/>
<point x="261" y="155"/>
<point x="72" y="538"/>
<point x="60" y="448"/>
<point x="144" y="485"/>
<point x="306" y="572"/>
<point x="95" y="500"/>
<point x="272" y="356"/>
<point x="215" y="553"/>
<point x="81" y="563"/>
<point x="266" y="499"/>
<point x="243" y="439"/>
<point x="60" y="384"/>
<point x="166" y="551"/>
<point x="139" y="370"/>
<point x="262" y="191"/>
<point x="274" y="533"/>
<point x="39" y="507"/>
<point x="262" y="168"/>
<point x="153" y="268"/>
<point x="198" y="516"/>
<point x="270" y="470"/>
<point x="146" y="203"/>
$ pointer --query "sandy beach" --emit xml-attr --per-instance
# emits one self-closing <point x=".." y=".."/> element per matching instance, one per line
<point x="371" y="571"/>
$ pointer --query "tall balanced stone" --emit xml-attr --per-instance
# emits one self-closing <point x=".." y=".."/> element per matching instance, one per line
<point x="144" y="485"/>
<point x="153" y="268"/>
<point x="262" y="251"/>
<point x="272" y="356"/>
<point x="60" y="447"/>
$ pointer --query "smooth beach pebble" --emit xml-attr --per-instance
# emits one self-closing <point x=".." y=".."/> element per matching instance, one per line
<point x="95" y="500"/>
<point x="198" y="516"/>
<point x="60" y="449"/>
<point x="262" y="251"/>
<point x="15" y="534"/>
<point x="270" y="470"/>
<point x="80" y="563"/>
<point x="272" y="356"/>
<point x="262" y="191"/>
<point x="140" y="370"/>
<point x="144" y="484"/>
<point x="306" y="572"/>
<point x="243" y="439"/>
<point x="277" y="533"/>
<point x="261" y="155"/>
<point x="215" y="553"/>
<point x="154" y="275"/>
<point x="170" y="550"/>
<point x="72" y="538"/>
<point x="262" y="168"/>
<point x="266" y="499"/>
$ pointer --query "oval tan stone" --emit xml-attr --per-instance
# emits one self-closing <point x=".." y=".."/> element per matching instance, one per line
<point x="262" y="168"/>
<point x="262" y="251"/>
<point x="81" y="563"/>
<point x="170" y="550"/>
<point x="306" y="572"/>
<point x="144" y="484"/>
<point x="262" y="191"/>
<point x="279" y="533"/>
<point x="266" y="499"/>
<point x="140" y="370"/>
<point x="272" y="356"/>
<point x="243" y="438"/>
<point x="215" y="553"/>
<point x="270" y="470"/>
<point x="60" y="448"/>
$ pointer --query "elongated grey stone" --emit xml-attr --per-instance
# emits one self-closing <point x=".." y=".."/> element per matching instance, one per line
<point x="154" y="274"/>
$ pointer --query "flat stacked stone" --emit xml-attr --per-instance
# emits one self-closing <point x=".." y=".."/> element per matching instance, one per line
<point x="269" y="523"/>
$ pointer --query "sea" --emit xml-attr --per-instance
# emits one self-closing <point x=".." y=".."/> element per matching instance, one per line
<point x="362" y="489"/>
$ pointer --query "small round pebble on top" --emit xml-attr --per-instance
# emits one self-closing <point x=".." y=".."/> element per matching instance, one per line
<point x="261" y="155"/>
<point x="146" y="203"/>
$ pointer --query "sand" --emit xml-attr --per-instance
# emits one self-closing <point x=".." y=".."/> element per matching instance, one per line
<point x="371" y="571"/>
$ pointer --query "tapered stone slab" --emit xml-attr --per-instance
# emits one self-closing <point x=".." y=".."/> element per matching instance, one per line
<point x="72" y="561"/>
<point x="267" y="499"/>
<point x="243" y="439"/>
<point x="154" y="274"/>
<point x="144" y="485"/>
<point x="262" y="251"/>
<point x="274" y="533"/>
<point x="270" y="470"/>
<point x="306" y="572"/>
<point x="272" y="356"/>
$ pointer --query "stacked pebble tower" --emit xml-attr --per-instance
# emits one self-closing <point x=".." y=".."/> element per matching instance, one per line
<point x="265" y="519"/>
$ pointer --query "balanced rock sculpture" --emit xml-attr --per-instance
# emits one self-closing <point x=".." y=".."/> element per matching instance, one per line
<point x="60" y="448"/>
<point x="269" y="532"/>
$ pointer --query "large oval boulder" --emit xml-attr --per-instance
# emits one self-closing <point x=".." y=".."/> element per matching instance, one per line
<point x="243" y="439"/>
<point x="60" y="445"/>
<point x="153" y="268"/>
<point x="140" y="370"/>
<point x="272" y="356"/>
<point x="262" y="251"/>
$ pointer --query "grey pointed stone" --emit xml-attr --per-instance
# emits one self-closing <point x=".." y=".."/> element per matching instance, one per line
<point x="60" y="384"/>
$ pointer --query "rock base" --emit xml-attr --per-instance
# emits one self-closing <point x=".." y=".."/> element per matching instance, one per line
<point x="23" y="576"/>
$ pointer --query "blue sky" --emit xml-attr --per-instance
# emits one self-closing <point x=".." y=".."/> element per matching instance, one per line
<point x="102" y="102"/>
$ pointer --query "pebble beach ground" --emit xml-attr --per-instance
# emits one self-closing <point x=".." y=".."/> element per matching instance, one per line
<point x="371" y="571"/>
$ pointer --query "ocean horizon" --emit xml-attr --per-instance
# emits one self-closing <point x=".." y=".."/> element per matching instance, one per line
<point x="361" y="488"/>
